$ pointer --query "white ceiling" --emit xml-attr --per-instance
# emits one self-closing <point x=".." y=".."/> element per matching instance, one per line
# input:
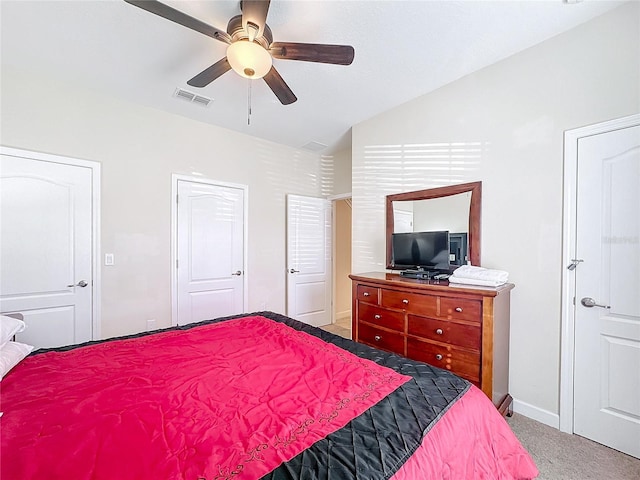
<point x="404" y="49"/>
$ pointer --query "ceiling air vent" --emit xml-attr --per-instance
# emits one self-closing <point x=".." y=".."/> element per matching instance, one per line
<point x="314" y="146"/>
<point x="192" y="97"/>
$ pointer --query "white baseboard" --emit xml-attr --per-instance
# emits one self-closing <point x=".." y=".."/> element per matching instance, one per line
<point x="344" y="314"/>
<point x="538" y="414"/>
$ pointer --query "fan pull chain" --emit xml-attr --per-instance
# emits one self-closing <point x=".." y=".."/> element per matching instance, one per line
<point x="249" y="105"/>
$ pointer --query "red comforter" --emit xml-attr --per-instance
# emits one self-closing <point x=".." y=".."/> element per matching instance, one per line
<point x="470" y="442"/>
<point x="231" y="399"/>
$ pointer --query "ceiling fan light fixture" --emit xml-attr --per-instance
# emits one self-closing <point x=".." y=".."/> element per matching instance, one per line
<point x="249" y="59"/>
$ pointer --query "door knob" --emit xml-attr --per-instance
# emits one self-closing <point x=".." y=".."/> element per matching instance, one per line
<point x="237" y="272"/>
<point x="294" y="271"/>
<point x="81" y="283"/>
<point x="590" y="302"/>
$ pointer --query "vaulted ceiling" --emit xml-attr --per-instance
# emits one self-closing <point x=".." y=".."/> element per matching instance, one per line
<point x="403" y="49"/>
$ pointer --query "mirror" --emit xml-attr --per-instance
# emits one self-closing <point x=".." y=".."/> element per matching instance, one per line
<point x="455" y="208"/>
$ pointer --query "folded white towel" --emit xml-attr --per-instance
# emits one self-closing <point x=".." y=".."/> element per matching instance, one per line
<point x="480" y="273"/>
<point x="473" y="281"/>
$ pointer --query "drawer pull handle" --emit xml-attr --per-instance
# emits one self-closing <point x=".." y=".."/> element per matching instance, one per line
<point x="366" y="294"/>
<point x="377" y="338"/>
<point x="438" y="357"/>
<point x="458" y="309"/>
<point x="377" y="317"/>
<point x="439" y="331"/>
<point x="405" y="301"/>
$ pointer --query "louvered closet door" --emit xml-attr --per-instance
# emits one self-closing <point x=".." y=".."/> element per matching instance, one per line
<point x="309" y="259"/>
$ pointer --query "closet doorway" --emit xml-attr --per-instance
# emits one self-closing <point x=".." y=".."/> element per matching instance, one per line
<point x="342" y="260"/>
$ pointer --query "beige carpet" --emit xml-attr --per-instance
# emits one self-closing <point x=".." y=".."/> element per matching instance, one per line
<point x="560" y="456"/>
<point x="342" y="327"/>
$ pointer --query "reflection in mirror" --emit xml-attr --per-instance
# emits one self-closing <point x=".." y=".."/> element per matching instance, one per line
<point x="446" y="213"/>
<point x="455" y="208"/>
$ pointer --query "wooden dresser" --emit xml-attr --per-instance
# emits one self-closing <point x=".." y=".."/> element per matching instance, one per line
<point x="464" y="329"/>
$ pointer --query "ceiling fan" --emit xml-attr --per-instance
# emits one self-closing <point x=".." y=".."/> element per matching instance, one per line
<point x="251" y="47"/>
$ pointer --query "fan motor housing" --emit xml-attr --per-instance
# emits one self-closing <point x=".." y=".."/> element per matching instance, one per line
<point x="234" y="28"/>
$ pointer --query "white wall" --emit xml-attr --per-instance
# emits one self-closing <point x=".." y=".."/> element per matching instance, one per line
<point x="504" y="126"/>
<point x="139" y="149"/>
<point x="340" y="171"/>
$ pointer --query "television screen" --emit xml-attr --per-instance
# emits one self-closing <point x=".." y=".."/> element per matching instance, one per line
<point x="423" y="250"/>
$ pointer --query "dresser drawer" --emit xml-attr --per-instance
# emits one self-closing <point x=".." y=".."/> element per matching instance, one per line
<point x="461" y="309"/>
<point x="463" y="330"/>
<point x="445" y="331"/>
<point x="461" y="362"/>
<point x="383" y="339"/>
<point x="368" y="294"/>
<point x="411" y="302"/>
<point x="381" y="316"/>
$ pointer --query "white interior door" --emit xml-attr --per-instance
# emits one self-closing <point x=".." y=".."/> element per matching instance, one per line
<point x="46" y="249"/>
<point x="210" y="251"/>
<point x="607" y="334"/>
<point x="309" y="259"/>
<point x="402" y="221"/>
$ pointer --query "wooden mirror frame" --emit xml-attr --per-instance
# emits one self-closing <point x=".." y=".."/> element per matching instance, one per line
<point x="474" y="213"/>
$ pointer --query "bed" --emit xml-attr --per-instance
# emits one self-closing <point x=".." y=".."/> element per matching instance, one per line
<point x="252" y="396"/>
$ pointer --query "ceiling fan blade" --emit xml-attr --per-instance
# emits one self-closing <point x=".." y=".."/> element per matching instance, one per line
<point x="180" y="18"/>
<point x="255" y="12"/>
<point x="208" y="75"/>
<point x="279" y="87"/>
<point x="313" y="52"/>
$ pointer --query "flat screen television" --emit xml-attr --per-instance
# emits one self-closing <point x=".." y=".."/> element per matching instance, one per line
<point x="421" y="251"/>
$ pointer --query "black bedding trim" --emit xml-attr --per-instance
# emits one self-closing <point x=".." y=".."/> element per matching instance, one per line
<point x="374" y="445"/>
<point x="398" y="423"/>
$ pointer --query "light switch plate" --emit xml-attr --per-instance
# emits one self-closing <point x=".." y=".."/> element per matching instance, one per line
<point x="108" y="259"/>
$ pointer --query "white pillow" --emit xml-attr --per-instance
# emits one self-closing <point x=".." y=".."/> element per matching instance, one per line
<point x="11" y="354"/>
<point x="9" y="326"/>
